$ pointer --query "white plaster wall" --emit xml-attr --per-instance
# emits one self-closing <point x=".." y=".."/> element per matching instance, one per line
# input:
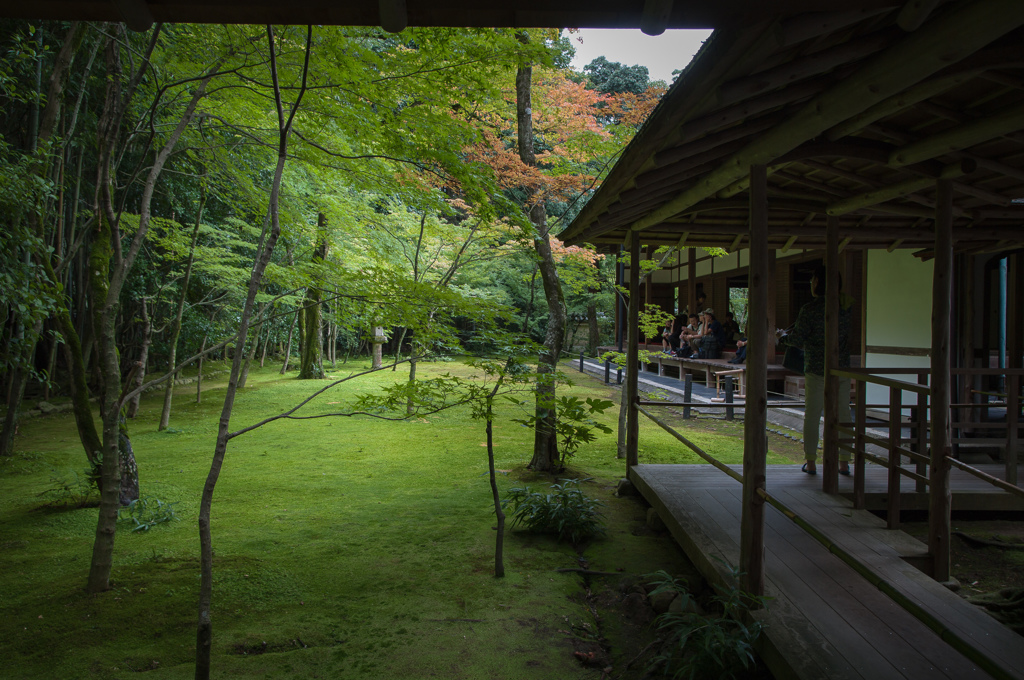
<point x="898" y="308"/>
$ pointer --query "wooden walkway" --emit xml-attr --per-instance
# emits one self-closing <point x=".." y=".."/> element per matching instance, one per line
<point x="829" y="619"/>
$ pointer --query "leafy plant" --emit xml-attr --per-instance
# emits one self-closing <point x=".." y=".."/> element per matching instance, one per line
<point x="713" y="645"/>
<point x="77" y="491"/>
<point x="573" y="424"/>
<point x="567" y="513"/>
<point x="146" y="513"/>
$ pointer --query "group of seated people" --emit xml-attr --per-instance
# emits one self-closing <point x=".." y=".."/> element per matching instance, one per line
<point x="703" y="337"/>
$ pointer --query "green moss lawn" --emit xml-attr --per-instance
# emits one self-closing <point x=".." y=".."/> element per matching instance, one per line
<point x="345" y="547"/>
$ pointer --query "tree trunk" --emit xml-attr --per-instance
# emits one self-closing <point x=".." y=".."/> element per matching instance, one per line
<point x="109" y="266"/>
<point x="378" y="346"/>
<point x="529" y="305"/>
<point x="499" y="541"/>
<point x="140" y="375"/>
<point x="288" y="345"/>
<point x="204" y="628"/>
<point x="398" y="348"/>
<point x="252" y="347"/>
<point x="545" y="449"/>
<point x="165" y="413"/>
<point x="311" y="365"/>
<point x="593" y="331"/>
<point x="199" y="371"/>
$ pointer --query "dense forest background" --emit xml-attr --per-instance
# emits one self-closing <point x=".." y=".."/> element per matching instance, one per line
<point x="303" y="193"/>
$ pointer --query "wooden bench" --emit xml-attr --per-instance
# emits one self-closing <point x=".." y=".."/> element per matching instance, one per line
<point x="712" y="367"/>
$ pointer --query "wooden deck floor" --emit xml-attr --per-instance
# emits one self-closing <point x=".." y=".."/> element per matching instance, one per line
<point x="827" y="620"/>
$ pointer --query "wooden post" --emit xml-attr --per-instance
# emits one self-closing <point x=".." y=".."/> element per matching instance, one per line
<point x="920" y="422"/>
<point x="691" y="285"/>
<point x="1014" y="359"/>
<point x="1012" y="426"/>
<point x="859" y="427"/>
<point x="633" y="352"/>
<point x="830" y="445"/>
<point x="755" y="442"/>
<point x="772" y="293"/>
<point x="939" y="528"/>
<point x="892" y="515"/>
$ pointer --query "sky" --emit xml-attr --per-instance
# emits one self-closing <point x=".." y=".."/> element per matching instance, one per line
<point x="661" y="54"/>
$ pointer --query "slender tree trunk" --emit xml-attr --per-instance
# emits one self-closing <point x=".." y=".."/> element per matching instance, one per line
<point x="165" y="413"/>
<point x="398" y="347"/>
<point x="410" y="401"/>
<point x="593" y="331"/>
<point x="266" y="341"/>
<point x="499" y="541"/>
<point x="378" y="347"/>
<point x="204" y="628"/>
<point x="529" y="305"/>
<point x="51" y="368"/>
<point x="312" y="350"/>
<point x="252" y="346"/>
<point x="109" y="266"/>
<point x="545" y="449"/>
<point x="199" y="371"/>
<point x="288" y="345"/>
<point x="140" y="375"/>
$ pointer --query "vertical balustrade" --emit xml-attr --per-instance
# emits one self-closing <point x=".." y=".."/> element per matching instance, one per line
<point x="895" y="425"/>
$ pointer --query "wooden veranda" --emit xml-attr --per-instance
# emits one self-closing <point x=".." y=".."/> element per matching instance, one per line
<point x="889" y="129"/>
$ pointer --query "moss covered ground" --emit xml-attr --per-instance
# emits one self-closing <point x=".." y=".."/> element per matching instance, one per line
<point x="344" y="547"/>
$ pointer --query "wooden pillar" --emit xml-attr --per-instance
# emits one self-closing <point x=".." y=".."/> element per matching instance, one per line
<point x="939" y="494"/>
<point x="1014" y="359"/>
<point x="830" y="445"/>
<point x="632" y="352"/>
<point x="1014" y="313"/>
<point x="772" y="295"/>
<point x="755" y="442"/>
<point x="691" y="285"/>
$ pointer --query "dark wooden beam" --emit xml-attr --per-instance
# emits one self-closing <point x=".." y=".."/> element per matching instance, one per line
<point x="812" y="64"/>
<point x="898" y="189"/>
<point x="1010" y="119"/>
<point x="655" y="16"/>
<point x="135" y="14"/>
<point x="394" y="16"/>
<point x="914" y="13"/>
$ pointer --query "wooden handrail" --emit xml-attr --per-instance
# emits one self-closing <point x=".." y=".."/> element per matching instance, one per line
<point x="994" y="481"/>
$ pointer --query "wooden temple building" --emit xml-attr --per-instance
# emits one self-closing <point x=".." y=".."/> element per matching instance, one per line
<point x="889" y="144"/>
<point x="884" y="137"/>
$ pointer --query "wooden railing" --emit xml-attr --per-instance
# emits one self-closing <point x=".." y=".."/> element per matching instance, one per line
<point x="915" y="446"/>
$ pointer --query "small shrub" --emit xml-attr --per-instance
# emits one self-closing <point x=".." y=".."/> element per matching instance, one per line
<point x="145" y="513"/>
<point x="75" y="491"/>
<point x="566" y="512"/>
<point x="714" y="645"/>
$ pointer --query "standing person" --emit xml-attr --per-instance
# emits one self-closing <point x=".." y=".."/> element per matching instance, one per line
<point x="809" y="334"/>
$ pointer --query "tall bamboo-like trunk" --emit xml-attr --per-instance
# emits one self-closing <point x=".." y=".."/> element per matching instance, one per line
<point x="545" y="449"/>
